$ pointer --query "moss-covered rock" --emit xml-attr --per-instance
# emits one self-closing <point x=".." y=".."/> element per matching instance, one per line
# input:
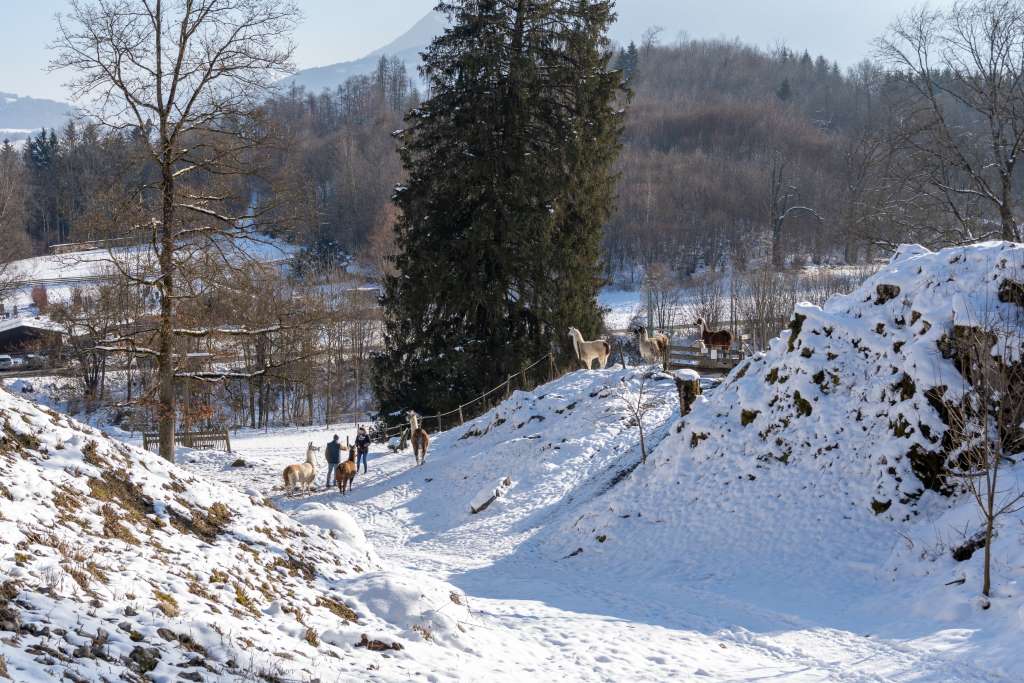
<point x="886" y="293"/>
<point x="802" y="405"/>
<point x="795" y="326"/>
<point x="905" y="388"/>
<point x="1011" y="292"/>
<point x="931" y="467"/>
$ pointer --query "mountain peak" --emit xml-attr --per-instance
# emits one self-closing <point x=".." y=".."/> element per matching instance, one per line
<point x="406" y="47"/>
<point x="416" y="38"/>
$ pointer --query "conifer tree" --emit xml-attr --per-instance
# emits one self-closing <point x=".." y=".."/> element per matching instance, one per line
<point x="510" y="181"/>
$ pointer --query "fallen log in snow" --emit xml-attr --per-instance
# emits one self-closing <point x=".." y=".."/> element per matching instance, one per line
<point x="489" y="495"/>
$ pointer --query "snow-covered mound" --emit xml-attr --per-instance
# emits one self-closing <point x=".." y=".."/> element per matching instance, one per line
<point x="860" y="384"/>
<point x="115" y="563"/>
<point x="559" y="444"/>
<point x="793" y="484"/>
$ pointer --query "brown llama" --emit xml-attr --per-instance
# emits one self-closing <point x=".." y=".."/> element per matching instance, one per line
<point x="346" y="471"/>
<point x="722" y="339"/>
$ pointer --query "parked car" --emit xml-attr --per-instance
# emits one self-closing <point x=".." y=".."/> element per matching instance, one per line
<point x="6" y="362"/>
<point x="34" y="361"/>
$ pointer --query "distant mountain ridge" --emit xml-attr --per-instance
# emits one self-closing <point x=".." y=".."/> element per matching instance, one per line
<point x="406" y="47"/>
<point x="19" y="116"/>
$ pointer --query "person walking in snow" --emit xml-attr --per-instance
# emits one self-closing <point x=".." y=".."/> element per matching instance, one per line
<point x="333" y="454"/>
<point x="362" y="447"/>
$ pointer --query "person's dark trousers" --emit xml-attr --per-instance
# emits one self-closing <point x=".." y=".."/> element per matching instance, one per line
<point x="361" y="460"/>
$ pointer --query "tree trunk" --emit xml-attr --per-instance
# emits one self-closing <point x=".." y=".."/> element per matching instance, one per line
<point x="1009" y="223"/>
<point x="165" y="351"/>
<point x="777" y="257"/>
<point x="986" y="586"/>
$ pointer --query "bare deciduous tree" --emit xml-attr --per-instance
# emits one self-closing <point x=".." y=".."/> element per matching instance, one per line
<point x="663" y="295"/>
<point x="189" y="75"/>
<point x="964" y="121"/>
<point x="709" y="301"/>
<point x="636" y="404"/>
<point x="13" y="238"/>
<point x="783" y="202"/>
<point x="765" y="301"/>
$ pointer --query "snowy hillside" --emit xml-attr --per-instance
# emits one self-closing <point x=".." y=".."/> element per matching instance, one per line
<point x="60" y="273"/>
<point x="29" y="114"/>
<point x="770" y="535"/>
<point x="816" y="469"/>
<point x="116" y="562"/>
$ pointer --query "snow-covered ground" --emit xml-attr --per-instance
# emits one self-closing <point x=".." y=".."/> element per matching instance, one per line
<point x="60" y="273"/>
<point x="748" y="547"/>
<point x="602" y="613"/>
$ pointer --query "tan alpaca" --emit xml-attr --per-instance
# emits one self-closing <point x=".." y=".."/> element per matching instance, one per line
<point x="588" y="351"/>
<point x="420" y="438"/>
<point x="302" y="474"/>
<point x="346" y="471"/>
<point x="652" y="349"/>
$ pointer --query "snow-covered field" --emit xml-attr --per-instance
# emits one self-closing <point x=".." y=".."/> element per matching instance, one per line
<point x="61" y="273"/>
<point x="608" y="614"/>
<point x="749" y="547"/>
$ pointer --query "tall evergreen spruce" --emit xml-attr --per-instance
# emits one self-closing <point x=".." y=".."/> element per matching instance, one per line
<point x="510" y="181"/>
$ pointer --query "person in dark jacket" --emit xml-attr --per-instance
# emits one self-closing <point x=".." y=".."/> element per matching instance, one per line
<point x="333" y="454"/>
<point x="362" y="448"/>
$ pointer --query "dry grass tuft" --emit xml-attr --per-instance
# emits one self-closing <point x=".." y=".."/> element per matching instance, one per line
<point x="166" y="603"/>
<point x="312" y="637"/>
<point x="339" y="609"/>
<point x="113" y="528"/>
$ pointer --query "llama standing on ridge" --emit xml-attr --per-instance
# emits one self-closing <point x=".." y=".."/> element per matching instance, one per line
<point x="722" y="339"/>
<point x="587" y="351"/>
<point x="652" y="349"/>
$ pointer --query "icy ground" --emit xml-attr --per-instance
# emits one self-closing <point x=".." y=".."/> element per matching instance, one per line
<point x="635" y="619"/>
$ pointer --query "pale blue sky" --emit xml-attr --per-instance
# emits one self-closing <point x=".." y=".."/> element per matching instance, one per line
<point x="339" y="30"/>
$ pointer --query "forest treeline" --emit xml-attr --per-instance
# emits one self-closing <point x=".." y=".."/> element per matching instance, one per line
<point x="731" y="154"/>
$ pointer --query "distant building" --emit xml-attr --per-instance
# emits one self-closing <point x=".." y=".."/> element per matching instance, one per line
<point x="21" y="335"/>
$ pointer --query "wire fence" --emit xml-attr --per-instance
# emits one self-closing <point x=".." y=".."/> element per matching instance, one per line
<point x="527" y="379"/>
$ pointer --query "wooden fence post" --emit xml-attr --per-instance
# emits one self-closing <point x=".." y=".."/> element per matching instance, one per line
<point x="462" y="420"/>
<point x="688" y="387"/>
<point x="227" y="440"/>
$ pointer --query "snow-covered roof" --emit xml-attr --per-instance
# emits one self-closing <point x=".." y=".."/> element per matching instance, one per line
<point x="37" y="322"/>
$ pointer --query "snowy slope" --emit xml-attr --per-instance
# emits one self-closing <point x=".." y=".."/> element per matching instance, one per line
<point x="585" y="610"/>
<point x="61" y="273"/>
<point x="116" y="563"/>
<point x="809" y="481"/>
